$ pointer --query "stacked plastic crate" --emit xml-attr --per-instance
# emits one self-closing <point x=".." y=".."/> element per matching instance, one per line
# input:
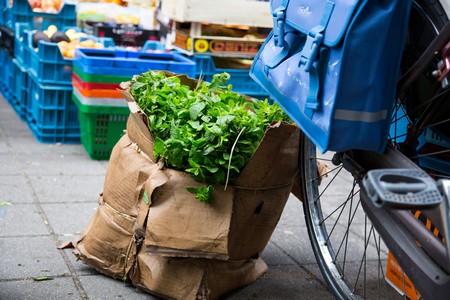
<point x="40" y="81"/>
<point x="220" y="36"/>
<point x="20" y="73"/>
<point x="6" y="75"/>
<point x="103" y="111"/>
<point x="6" y="54"/>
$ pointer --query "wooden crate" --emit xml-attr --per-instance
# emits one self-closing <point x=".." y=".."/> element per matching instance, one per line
<point x="228" y="41"/>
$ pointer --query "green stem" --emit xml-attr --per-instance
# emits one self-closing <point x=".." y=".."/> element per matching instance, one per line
<point x="231" y="156"/>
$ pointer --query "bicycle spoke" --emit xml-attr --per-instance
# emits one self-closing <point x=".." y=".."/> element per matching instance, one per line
<point x="326" y="187"/>
<point x="431" y="154"/>
<point x="336" y="209"/>
<point x="380" y="265"/>
<point x="349" y="222"/>
<point x="363" y="259"/>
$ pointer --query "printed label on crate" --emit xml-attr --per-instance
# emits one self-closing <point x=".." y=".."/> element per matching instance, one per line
<point x="125" y="35"/>
<point x="396" y="277"/>
<point x="216" y="45"/>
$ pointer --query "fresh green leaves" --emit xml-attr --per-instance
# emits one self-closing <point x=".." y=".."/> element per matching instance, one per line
<point x="195" y="130"/>
<point x="205" y="193"/>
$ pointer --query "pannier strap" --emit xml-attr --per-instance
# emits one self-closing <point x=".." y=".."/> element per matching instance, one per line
<point x="311" y="52"/>
<point x="316" y="78"/>
<point x="279" y="18"/>
<point x="309" y="56"/>
<point x="315" y="38"/>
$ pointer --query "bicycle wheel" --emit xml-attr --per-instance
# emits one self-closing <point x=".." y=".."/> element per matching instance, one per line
<point x="350" y="253"/>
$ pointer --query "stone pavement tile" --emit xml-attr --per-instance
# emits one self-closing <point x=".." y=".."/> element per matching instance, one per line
<point x="15" y="189"/>
<point x="21" y="220"/>
<point x="4" y="147"/>
<point x="29" y="145"/>
<point x="292" y="213"/>
<point x="69" y="218"/>
<point x="96" y="286"/>
<point x="295" y="242"/>
<point x="69" y="189"/>
<point x="273" y="255"/>
<point x="315" y="271"/>
<point x="283" y="282"/>
<point x="29" y="257"/>
<point x="57" y="288"/>
<point x="11" y="124"/>
<point x="8" y="166"/>
<point x="79" y="267"/>
<point x="60" y="164"/>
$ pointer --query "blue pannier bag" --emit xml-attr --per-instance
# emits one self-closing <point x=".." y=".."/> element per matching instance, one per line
<point x="333" y="67"/>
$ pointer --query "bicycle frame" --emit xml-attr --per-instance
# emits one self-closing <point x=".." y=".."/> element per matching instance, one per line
<point x="401" y="231"/>
<point x="427" y="265"/>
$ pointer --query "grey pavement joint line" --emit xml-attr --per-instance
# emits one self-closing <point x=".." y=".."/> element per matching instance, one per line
<point x="41" y="212"/>
<point x="313" y="276"/>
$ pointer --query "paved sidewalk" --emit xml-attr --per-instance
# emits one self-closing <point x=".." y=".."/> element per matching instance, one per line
<point x="52" y="191"/>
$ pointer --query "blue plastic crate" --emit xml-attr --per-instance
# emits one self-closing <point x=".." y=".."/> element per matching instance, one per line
<point x="66" y="135"/>
<point x="21" y="12"/>
<point x="6" y="68"/>
<point x="399" y="125"/>
<point x="47" y="63"/>
<point x="207" y="66"/>
<point x="20" y="89"/>
<point x="99" y="57"/>
<point x="51" y="106"/>
<point x="433" y="141"/>
<point x="129" y="63"/>
<point x="20" y="39"/>
<point x="2" y="12"/>
<point x="153" y="46"/>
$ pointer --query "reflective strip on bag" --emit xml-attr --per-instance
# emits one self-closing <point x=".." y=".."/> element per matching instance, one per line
<point x="360" y="116"/>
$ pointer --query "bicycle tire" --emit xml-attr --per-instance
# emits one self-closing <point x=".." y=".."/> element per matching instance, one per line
<point x="326" y="201"/>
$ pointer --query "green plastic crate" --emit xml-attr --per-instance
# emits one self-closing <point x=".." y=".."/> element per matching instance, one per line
<point x="94" y="78"/>
<point x="101" y="127"/>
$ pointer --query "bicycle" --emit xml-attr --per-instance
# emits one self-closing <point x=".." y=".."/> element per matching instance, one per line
<point x="419" y="139"/>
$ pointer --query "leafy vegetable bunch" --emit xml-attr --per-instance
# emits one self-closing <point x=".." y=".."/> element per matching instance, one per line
<point x="210" y="131"/>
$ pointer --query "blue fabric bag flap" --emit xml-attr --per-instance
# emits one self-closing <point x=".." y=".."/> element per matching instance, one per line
<point x="303" y="15"/>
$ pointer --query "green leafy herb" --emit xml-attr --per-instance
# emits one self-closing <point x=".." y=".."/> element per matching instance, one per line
<point x="205" y="193"/>
<point x="210" y="131"/>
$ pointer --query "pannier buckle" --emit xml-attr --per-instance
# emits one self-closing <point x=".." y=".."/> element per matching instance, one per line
<point x="310" y="50"/>
<point x="278" y="26"/>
